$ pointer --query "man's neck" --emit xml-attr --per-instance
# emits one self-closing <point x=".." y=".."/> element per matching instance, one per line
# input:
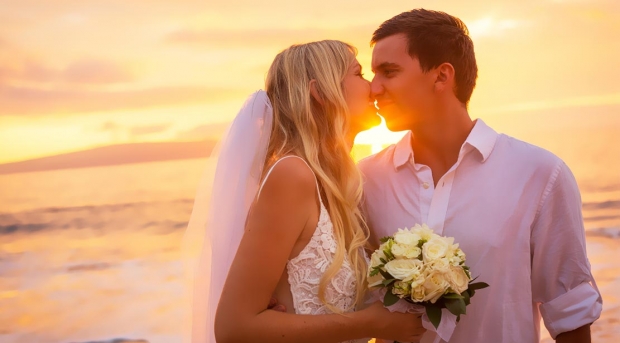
<point x="437" y="143"/>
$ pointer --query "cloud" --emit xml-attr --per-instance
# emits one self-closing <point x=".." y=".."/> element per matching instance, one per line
<point x="34" y="101"/>
<point x="109" y="126"/>
<point x="207" y="131"/>
<point x="490" y="26"/>
<point x="149" y="129"/>
<point x="86" y="71"/>
<point x="96" y="72"/>
<point x="577" y="101"/>
<point x="268" y="37"/>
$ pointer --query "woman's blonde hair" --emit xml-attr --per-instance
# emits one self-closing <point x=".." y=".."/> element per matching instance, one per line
<point x="317" y="132"/>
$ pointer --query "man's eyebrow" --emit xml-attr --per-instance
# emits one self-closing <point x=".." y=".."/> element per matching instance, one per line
<point x="386" y="65"/>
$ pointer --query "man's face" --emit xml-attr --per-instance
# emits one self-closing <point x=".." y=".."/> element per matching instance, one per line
<point x="404" y="93"/>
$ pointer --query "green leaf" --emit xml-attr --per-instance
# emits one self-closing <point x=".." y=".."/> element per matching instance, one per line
<point x="466" y="297"/>
<point x="385" y="239"/>
<point x="453" y="296"/>
<point x="455" y="306"/>
<point x="388" y="282"/>
<point x="434" y="315"/>
<point x="478" y="285"/>
<point x="375" y="271"/>
<point x="390" y="298"/>
<point x="383" y="260"/>
<point x="386" y="275"/>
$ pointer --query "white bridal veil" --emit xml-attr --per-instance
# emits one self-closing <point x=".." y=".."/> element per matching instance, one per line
<point x="223" y="199"/>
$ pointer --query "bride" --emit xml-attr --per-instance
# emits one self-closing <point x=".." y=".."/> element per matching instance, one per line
<point x="283" y="218"/>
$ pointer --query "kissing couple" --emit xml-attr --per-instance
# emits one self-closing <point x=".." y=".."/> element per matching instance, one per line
<point x="289" y="219"/>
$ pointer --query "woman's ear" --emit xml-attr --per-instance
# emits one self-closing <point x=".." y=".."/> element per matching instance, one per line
<point x="314" y="91"/>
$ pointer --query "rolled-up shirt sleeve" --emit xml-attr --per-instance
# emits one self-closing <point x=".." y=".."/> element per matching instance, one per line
<point x="562" y="282"/>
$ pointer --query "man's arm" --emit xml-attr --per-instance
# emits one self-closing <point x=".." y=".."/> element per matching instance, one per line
<point x="580" y="335"/>
<point x="562" y="281"/>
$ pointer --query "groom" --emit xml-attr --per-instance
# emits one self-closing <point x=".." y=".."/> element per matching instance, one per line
<point x="514" y="208"/>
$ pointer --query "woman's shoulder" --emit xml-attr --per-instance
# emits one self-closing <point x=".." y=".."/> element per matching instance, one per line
<point x="292" y="176"/>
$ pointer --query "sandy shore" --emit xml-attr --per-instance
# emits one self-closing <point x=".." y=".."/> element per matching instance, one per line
<point x="83" y="286"/>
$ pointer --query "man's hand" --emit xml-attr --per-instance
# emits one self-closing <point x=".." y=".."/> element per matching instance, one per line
<point x="273" y="305"/>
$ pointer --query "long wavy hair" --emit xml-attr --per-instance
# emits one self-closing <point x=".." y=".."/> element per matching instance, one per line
<point x="317" y="132"/>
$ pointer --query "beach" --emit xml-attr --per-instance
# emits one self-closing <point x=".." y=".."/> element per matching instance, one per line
<point x="93" y="255"/>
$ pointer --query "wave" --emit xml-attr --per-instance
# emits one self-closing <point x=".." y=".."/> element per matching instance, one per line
<point x="603" y="205"/>
<point x="118" y="340"/>
<point x="159" y="217"/>
<point x="609" y="232"/>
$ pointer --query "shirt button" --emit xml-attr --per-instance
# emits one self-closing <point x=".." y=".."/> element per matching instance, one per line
<point x="425" y="185"/>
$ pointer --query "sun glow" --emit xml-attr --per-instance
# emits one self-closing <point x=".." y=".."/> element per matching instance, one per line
<point x="374" y="140"/>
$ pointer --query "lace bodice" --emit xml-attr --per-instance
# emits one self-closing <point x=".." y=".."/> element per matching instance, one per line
<point x="307" y="268"/>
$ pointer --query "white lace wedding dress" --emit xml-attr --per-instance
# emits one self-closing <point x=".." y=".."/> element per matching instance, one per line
<point x="306" y="269"/>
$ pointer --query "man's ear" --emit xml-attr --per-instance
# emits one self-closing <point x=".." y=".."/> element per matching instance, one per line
<point x="314" y="91"/>
<point x="445" y="77"/>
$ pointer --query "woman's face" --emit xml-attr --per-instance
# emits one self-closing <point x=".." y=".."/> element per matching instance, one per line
<point x="359" y="100"/>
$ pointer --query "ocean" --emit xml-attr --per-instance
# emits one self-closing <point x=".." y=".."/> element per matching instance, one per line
<point x="93" y="254"/>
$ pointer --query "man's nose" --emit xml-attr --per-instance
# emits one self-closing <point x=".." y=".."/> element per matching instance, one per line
<point x="376" y="88"/>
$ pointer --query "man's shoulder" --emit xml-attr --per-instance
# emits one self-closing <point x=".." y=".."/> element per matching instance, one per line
<point x="519" y="151"/>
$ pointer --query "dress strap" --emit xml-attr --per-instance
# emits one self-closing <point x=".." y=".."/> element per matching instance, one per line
<point x="278" y="161"/>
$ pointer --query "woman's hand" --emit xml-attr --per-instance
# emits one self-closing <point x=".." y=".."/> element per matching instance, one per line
<point x="402" y="327"/>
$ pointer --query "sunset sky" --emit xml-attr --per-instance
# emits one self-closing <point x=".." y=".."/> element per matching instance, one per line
<point x="76" y="74"/>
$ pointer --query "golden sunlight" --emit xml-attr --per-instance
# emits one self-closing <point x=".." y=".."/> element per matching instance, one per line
<point x="374" y="140"/>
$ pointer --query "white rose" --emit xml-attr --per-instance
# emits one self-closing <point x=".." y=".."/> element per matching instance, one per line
<point x="458" y="279"/>
<point x="435" y="248"/>
<point x="406" y="237"/>
<point x="401" y="289"/>
<point x="404" y="269"/>
<point x="413" y="252"/>
<point x="423" y="231"/>
<point x="435" y="285"/>
<point x="418" y="294"/>
<point x="440" y="264"/>
<point x="399" y="250"/>
<point x="375" y="259"/>
<point x="404" y="251"/>
<point x="417" y="280"/>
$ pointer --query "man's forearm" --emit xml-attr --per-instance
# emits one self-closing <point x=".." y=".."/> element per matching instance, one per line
<point x="579" y="335"/>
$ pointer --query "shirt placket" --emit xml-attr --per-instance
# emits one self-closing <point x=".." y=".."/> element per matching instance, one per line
<point x="439" y="203"/>
<point x="440" y="195"/>
<point x="425" y="189"/>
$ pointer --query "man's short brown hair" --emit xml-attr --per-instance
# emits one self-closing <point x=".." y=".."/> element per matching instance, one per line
<point x="434" y="38"/>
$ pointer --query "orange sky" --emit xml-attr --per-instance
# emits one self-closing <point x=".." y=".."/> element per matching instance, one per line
<point x="81" y="73"/>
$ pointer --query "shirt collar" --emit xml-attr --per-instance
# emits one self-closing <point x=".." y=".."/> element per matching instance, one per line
<point x="403" y="152"/>
<point x="481" y="138"/>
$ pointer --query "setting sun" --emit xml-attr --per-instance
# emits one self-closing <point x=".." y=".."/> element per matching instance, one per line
<point x="374" y="140"/>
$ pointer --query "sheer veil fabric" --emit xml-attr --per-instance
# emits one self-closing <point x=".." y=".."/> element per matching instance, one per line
<point x="226" y="191"/>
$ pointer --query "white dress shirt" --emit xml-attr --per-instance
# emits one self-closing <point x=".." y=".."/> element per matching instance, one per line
<point x="515" y="210"/>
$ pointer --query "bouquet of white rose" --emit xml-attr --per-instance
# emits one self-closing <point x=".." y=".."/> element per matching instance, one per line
<point x="423" y="268"/>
